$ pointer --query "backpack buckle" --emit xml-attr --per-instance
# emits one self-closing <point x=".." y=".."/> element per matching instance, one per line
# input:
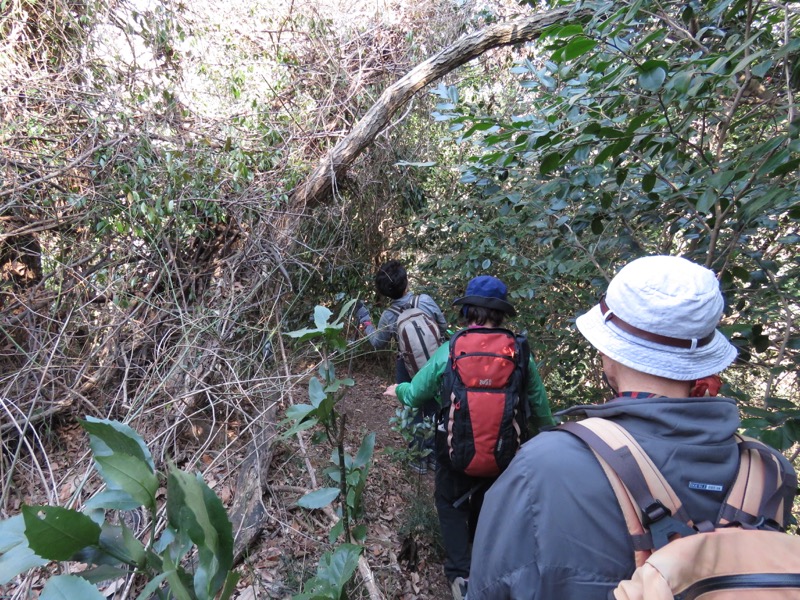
<point x="654" y="513"/>
<point x="658" y="519"/>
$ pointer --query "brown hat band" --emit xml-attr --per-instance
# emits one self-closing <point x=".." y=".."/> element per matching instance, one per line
<point x="664" y="340"/>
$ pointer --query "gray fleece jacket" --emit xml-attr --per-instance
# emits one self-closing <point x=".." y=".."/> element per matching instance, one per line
<point x="551" y="527"/>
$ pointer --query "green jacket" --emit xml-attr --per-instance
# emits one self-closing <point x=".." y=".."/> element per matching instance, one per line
<point x="427" y="384"/>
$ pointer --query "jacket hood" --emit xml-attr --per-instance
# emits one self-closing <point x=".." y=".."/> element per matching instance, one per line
<point x="683" y="418"/>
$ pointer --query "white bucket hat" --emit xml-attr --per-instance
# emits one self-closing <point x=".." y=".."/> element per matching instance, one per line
<point x="659" y="316"/>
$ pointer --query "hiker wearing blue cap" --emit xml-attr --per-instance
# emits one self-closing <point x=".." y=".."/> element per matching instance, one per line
<point x="492" y="399"/>
<point x="582" y="506"/>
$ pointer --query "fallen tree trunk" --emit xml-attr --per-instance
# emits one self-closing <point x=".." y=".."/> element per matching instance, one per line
<point x="248" y="513"/>
<point x="319" y="184"/>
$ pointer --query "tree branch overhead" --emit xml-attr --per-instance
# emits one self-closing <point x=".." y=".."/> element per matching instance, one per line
<point x="318" y="185"/>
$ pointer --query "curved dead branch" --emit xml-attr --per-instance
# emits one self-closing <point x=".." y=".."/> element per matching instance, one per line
<point x="320" y="182"/>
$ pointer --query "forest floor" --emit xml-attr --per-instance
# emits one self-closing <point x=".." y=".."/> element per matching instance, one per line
<point x="402" y="545"/>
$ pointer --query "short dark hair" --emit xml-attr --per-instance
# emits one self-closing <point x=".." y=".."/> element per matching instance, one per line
<point x="480" y="315"/>
<point x="391" y="279"/>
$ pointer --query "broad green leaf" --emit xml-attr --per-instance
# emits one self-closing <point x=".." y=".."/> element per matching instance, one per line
<point x="70" y="587"/>
<point x="648" y="182"/>
<point x="107" y="437"/>
<point x="103" y="573"/>
<point x="230" y="585"/>
<point x="341" y="565"/>
<point x="567" y="31"/>
<point x="318" y="498"/>
<point x="365" y="451"/>
<point x="304" y="334"/>
<point x="15" y="555"/>
<point x="150" y="589"/>
<point x="792" y="427"/>
<point x="781" y="403"/>
<point x="761" y="69"/>
<point x="550" y="163"/>
<point x="336" y="531"/>
<point x="774" y="161"/>
<point x="112" y="499"/>
<point x="316" y="393"/>
<point x="338" y="384"/>
<point x="178" y="584"/>
<point x="322" y="315"/>
<point x="130" y="474"/>
<point x="299" y="426"/>
<point x="193" y="507"/>
<point x="707" y="201"/>
<point x="59" y="532"/>
<point x="652" y="79"/>
<point x="298" y="412"/>
<point x="578" y="46"/>
<point x="116" y="545"/>
<point x="359" y="532"/>
<point x="345" y="312"/>
<point x="742" y="64"/>
<point x="777" y="438"/>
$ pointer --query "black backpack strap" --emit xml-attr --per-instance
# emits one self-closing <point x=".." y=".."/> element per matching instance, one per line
<point x="524" y="353"/>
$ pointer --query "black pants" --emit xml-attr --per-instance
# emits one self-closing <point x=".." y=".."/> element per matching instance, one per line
<point x="457" y="523"/>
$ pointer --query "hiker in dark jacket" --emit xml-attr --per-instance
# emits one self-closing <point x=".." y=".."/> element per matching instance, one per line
<point x="551" y="526"/>
<point x="458" y="496"/>
<point x="391" y="281"/>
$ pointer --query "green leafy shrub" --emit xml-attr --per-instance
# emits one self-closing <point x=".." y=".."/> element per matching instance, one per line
<point x="196" y="519"/>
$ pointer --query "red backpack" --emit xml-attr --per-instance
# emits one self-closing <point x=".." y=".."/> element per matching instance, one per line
<point x="483" y="415"/>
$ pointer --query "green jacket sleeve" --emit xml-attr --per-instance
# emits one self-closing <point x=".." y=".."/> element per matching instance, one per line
<point x="537" y="398"/>
<point x="427" y="382"/>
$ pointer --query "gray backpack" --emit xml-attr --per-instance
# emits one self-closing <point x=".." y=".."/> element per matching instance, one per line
<point x="418" y="335"/>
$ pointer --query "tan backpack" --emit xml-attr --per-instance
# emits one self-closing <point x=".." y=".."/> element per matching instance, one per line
<point x="744" y="556"/>
<point x="418" y="335"/>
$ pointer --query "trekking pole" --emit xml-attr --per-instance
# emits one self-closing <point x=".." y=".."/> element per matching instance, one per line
<point x="467" y="496"/>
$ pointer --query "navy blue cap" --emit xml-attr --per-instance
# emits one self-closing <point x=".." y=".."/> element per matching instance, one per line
<point x="489" y="292"/>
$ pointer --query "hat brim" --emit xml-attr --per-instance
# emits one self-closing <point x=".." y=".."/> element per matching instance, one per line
<point x="485" y="302"/>
<point x="679" y="364"/>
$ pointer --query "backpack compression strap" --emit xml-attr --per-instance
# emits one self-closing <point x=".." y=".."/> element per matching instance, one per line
<point x="756" y="498"/>
<point x="652" y="511"/>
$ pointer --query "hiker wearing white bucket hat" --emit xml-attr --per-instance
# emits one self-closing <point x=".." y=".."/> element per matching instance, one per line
<point x="659" y="316"/>
<point x="551" y="526"/>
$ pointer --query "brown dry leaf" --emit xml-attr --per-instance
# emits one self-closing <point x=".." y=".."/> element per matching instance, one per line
<point x="225" y="494"/>
<point x="415" y="582"/>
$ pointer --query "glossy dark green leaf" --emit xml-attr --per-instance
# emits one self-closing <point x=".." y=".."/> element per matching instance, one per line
<point x="192" y="507"/>
<point x="108" y="437"/>
<point x="578" y="46"/>
<point x="57" y="533"/>
<point x="550" y="163"/>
